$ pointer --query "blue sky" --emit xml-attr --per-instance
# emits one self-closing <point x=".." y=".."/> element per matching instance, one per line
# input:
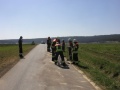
<point x="43" y="18"/>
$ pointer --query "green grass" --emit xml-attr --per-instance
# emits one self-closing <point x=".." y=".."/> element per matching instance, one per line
<point x="9" y="55"/>
<point x="102" y="62"/>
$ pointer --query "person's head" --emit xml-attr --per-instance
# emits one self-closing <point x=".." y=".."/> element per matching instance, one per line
<point x="74" y="40"/>
<point x="69" y="40"/>
<point x="57" y="38"/>
<point x="21" y="37"/>
<point x="48" y="37"/>
<point x="54" y="40"/>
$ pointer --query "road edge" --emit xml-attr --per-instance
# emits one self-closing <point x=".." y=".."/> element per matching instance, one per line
<point x="83" y="74"/>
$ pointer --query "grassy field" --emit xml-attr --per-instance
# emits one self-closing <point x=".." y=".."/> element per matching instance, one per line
<point x="101" y="62"/>
<point x="9" y="56"/>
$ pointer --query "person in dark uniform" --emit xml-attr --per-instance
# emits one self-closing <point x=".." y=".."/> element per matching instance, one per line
<point x="75" y="51"/>
<point x="48" y="44"/>
<point x="20" y="47"/>
<point x="70" y="46"/>
<point x="63" y="45"/>
<point x="59" y="51"/>
<point x="53" y="49"/>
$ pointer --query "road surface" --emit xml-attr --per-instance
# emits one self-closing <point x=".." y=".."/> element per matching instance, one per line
<point x="38" y="72"/>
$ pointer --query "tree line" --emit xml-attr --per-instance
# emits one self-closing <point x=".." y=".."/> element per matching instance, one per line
<point x="80" y="39"/>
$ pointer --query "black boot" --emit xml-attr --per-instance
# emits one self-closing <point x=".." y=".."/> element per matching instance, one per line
<point x="64" y="64"/>
<point x="21" y="56"/>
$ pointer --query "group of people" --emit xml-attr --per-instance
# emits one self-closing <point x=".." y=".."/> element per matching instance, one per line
<point x="73" y="47"/>
<point x="58" y="48"/>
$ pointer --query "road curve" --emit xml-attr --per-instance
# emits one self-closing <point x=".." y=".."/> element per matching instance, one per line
<point x="38" y="72"/>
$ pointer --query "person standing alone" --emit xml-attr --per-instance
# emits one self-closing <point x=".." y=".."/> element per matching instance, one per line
<point x="20" y="47"/>
<point x="48" y="44"/>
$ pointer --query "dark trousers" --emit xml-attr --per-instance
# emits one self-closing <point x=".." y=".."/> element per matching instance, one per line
<point x="70" y="53"/>
<point x="53" y="54"/>
<point x="20" y="52"/>
<point x="61" y="55"/>
<point x="75" y="57"/>
<point x="48" y="48"/>
<point x="62" y="58"/>
<point x="63" y="48"/>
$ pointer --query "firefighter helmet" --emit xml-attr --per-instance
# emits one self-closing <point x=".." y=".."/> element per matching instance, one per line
<point x="54" y="40"/>
<point x="69" y="39"/>
<point x="74" y="40"/>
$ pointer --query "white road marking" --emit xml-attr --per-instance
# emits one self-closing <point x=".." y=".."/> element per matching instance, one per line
<point x="92" y="83"/>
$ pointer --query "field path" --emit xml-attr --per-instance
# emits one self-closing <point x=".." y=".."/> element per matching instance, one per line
<point x="38" y="72"/>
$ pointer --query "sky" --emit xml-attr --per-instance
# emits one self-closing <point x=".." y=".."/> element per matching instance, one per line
<point x="55" y="18"/>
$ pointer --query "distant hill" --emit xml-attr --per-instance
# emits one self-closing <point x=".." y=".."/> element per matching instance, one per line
<point x="81" y="39"/>
<point x="25" y="41"/>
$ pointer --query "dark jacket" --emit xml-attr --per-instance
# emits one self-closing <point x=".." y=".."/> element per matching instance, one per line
<point x="20" y="43"/>
<point x="49" y="42"/>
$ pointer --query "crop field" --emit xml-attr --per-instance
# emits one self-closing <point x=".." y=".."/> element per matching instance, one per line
<point x="9" y="56"/>
<point x="101" y="63"/>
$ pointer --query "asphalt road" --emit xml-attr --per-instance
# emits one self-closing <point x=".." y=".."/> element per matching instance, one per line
<point x="38" y="72"/>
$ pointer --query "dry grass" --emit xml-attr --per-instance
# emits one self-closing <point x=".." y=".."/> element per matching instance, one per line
<point x="9" y="56"/>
